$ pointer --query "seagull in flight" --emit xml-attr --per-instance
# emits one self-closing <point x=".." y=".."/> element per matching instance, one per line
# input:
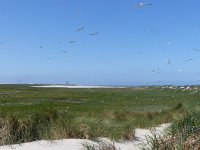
<point x="78" y="13"/>
<point x="139" y="52"/>
<point x="70" y="42"/>
<point x="141" y="4"/>
<point x="49" y="58"/>
<point x="153" y="31"/>
<point x="64" y="51"/>
<point x="187" y="60"/>
<point x="95" y="33"/>
<point x="180" y="70"/>
<point x="196" y="49"/>
<point x="168" y="61"/>
<point x="157" y="70"/>
<point x="173" y="21"/>
<point x="80" y="29"/>
<point x="168" y="43"/>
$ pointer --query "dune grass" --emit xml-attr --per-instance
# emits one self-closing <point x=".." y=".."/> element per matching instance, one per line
<point x="28" y="114"/>
<point x="183" y="134"/>
<point x="100" y="145"/>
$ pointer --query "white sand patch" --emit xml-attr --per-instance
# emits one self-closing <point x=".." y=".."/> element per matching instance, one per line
<point x="74" y="86"/>
<point x="77" y="144"/>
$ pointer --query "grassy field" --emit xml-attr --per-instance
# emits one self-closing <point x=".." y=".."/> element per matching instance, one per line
<point x="29" y="113"/>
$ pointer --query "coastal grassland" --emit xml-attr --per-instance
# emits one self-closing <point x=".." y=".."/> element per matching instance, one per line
<point x="28" y="113"/>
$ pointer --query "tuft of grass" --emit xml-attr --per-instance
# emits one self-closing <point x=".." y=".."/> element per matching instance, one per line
<point x="100" y="145"/>
<point x="158" y="142"/>
<point x="18" y="130"/>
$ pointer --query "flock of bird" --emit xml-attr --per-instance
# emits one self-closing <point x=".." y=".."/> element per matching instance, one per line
<point x="167" y="60"/>
<point x="139" y="5"/>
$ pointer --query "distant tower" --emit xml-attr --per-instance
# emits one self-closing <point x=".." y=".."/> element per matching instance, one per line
<point x="67" y="82"/>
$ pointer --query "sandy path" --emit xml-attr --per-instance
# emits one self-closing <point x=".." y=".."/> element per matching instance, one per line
<point x="76" y="144"/>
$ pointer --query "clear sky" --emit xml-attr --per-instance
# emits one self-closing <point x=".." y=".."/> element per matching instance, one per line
<point x="154" y="44"/>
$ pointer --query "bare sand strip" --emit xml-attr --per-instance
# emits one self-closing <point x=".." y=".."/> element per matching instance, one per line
<point x="77" y="144"/>
<point x="76" y="86"/>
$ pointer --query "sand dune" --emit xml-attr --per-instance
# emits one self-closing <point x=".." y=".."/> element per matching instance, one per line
<point x="77" y="144"/>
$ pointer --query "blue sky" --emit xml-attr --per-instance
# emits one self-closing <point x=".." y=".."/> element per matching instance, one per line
<point x="130" y="49"/>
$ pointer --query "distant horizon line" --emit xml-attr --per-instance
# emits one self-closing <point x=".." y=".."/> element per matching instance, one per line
<point x="113" y="85"/>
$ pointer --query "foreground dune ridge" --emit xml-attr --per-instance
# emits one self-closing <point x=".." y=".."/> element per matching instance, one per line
<point x="77" y="144"/>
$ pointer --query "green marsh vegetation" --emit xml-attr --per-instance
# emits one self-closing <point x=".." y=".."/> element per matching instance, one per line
<point x="28" y="113"/>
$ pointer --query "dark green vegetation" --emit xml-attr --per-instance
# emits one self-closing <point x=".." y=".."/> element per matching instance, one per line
<point x="184" y="134"/>
<point x="29" y="113"/>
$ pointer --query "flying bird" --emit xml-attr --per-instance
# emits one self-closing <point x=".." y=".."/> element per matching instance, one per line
<point x="139" y="52"/>
<point x="168" y="61"/>
<point x="172" y="22"/>
<point x="49" y="58"/>
<point x="64" y="51"/>
<point x="141" y="4"/>
<point x="80" y="29"/>
<point x="77" y="13"/>
<point x="70" y="42"/>
<point x="196" y="49"/>
<point x="180" y="70"/>
<point x="168" y="43"/>
<point x="157" y="70"/>
<point x="187" y="60"/>
<point x="95" y="33"/>
<point x="153" y="31"/>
